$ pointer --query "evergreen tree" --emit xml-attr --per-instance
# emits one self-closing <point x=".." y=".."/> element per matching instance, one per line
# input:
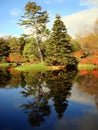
<point x="59" y="46"/>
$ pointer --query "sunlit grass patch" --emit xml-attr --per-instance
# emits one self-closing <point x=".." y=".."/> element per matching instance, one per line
<point x="87" y="66"/>
<point x="31" y="67"/>
<point x="5" y="65"/>
<point x="37" y="67"/>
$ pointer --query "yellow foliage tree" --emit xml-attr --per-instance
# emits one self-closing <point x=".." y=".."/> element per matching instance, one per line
<point x="89" y="43"/>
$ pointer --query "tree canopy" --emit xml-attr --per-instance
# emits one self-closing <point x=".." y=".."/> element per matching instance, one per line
<point x="59" y="46"/>
<point x="35" y="19"/>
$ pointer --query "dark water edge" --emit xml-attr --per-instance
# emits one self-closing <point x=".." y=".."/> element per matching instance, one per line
<point x="48" y="100"/>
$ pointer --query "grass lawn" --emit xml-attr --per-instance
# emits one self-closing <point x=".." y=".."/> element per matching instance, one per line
<point x="41" y="66"/>
<point x="87" y="66"/>
<point x="5" y="65"/>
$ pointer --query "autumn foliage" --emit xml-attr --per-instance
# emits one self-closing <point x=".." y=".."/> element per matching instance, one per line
<point x="8" y="58"/>
<point x="95" y="73"/>
<point x="93" y="59"/>
<point x="89" y="43"/>
<point x="78" y="54"/>
<point x="86" y="72"/>
<point x="15" y="57"/>
<point x="83" y="72"/>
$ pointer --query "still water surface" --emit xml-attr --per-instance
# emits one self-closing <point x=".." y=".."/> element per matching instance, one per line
<point x="55" y="100"/>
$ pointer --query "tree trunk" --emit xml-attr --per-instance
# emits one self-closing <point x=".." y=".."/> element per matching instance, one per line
<point x="39" y="50"/>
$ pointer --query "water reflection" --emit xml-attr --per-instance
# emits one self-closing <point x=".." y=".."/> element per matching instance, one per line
<point x="12" y="78"/>
<point x="4" y="78"/>
<point x="88" y="85"/>
<point x="43" y="87"/>
<point x="49" y="100"/>
<point x="60" y="84"/>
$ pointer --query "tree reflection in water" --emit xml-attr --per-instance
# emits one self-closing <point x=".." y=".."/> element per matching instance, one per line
<point x="47" y="93"/>
<point x="60" y="83"/>
<point x="37" y="111"/>
<point x="41" y="88"/>
<point x="54" y="85"/>
<point x="4" y="78"/>
<point x="11" y="79"/>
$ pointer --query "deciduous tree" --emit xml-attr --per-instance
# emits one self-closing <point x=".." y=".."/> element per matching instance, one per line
<point x="4" y="49"/>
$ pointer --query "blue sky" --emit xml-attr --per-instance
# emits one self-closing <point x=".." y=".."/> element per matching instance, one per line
<point x="12" y="10"/>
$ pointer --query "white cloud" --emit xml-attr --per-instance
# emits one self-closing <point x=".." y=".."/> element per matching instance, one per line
<point x="15" y="12"/>
<point x="4" y="35"/>
<point x="89" y="3"/>
<point x="81" y="22"/>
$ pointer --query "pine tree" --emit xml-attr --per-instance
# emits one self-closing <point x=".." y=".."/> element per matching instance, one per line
<point x="59" y="46"/>
<point x="35" y="19"/>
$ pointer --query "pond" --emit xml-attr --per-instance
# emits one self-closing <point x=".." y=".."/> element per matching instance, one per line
<point x="54" y="100"/>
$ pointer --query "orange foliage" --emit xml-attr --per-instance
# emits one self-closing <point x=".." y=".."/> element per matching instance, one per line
<point x="78" y="54"/>
<point x="15" y="57"/>
<point x="83" y="72"/>
<point x="8" y="58"/>
<point x="94" y="60"/>
<point x="84" y="61"/>
<point x="95" y="73"/>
